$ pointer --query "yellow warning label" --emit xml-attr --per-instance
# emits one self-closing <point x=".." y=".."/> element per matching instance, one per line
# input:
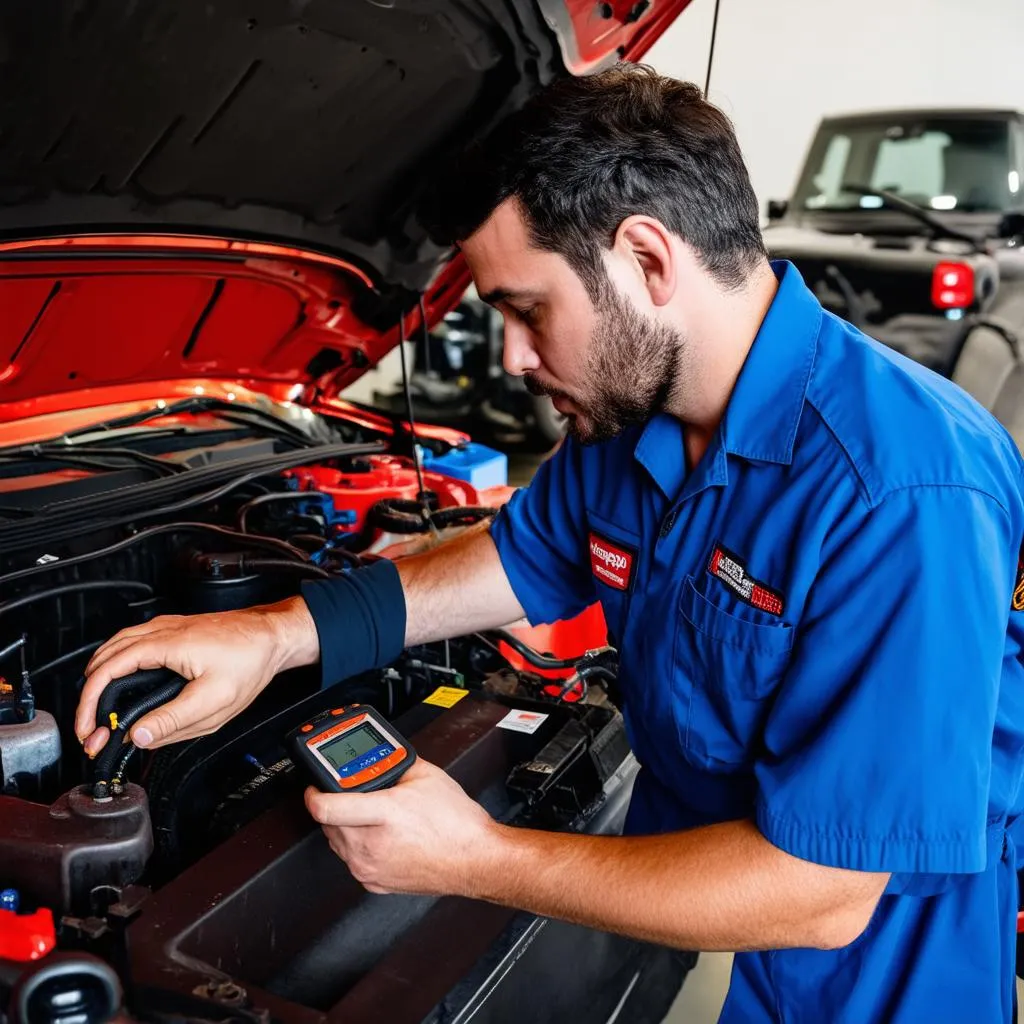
<point x="446" y="696"/>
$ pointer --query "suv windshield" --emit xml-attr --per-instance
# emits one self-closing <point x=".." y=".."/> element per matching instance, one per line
<point x="937" y="163"/>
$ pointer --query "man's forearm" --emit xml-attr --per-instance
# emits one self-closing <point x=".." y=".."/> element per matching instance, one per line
<point x="456" y="588"/>
<point x="723" y="887"/>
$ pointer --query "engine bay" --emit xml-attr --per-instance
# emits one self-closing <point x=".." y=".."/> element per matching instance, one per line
<point x="188" y="881"/>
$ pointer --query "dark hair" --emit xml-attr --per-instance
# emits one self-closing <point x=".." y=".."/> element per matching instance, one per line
<point x="588" y="152"/>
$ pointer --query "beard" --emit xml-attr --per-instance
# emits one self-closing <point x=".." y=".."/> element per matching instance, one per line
<point x="630" y="373"/>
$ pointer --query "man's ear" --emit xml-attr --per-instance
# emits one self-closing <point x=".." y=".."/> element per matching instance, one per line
<point x="647" y="244"/>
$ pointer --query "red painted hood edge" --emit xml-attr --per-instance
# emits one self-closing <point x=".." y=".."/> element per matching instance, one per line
<point x="85" y="315"/>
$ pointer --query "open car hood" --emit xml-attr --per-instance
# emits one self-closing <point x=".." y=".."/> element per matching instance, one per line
<point x="227" y="190"/>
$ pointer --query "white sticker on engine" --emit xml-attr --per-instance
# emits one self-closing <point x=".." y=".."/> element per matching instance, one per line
<point x="46" y="559"/>
<point x="522" y="721"/>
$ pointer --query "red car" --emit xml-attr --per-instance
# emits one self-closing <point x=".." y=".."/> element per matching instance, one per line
<point x="207" y="232"/>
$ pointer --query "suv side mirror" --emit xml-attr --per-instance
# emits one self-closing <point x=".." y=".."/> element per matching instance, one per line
<point x="1012" y="226"/>
<point x="777" y="208"/>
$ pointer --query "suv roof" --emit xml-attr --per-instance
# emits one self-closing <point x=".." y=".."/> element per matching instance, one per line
<point x="912" y="113"/>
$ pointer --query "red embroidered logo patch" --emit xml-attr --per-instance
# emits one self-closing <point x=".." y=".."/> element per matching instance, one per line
<point x="727" y="567"/>
<point x="611" y="563"/>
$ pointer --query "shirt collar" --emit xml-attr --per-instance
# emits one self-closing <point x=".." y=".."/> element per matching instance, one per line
<point x="764" y="411"/>
<point x="763" y="414"/>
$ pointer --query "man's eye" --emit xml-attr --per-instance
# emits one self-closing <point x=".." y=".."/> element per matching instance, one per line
<point x="528" y="316"/>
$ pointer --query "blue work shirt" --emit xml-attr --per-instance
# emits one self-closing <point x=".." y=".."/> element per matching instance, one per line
<point x="816" y="633"/>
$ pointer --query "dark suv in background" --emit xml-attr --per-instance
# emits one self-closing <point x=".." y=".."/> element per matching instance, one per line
<point x="910" y="225"/>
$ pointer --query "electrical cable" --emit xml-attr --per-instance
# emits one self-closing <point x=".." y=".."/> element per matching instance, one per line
<point x="402" y="516"/>
<point x="348" y="557"/>
<point x="425" y="332"/>
<point x="258" y="565"/>
<point x="70" y="518"/>
<point x="78" y="652"/>
<point x="108" y="459"/>
<point x="412" y="422"/>
<point x="315" y="545"/>
<point x="117" y="778"/>
<point x="251" y="540"/>
<point x="75" y="588"/>
<point x="711" y="51"/>
<point x="570" y="684"/>
<point x="264" y="499"/>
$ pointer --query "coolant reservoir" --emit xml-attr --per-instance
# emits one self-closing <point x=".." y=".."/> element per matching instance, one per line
<point x="28" y="750"/>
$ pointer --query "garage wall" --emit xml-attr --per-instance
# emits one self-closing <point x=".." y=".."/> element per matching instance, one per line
<point x="781" y="64"/>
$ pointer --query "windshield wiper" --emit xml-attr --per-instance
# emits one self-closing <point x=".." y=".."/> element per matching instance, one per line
<point x="87" y="456"/>
<point x="897" y="202"/>
<point x="235" y="412"/>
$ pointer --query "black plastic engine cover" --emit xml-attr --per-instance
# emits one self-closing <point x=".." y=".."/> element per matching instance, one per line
<point x="275" y="919"/>
<point x="57" y="855"/>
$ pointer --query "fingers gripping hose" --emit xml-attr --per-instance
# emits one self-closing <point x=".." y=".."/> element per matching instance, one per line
<point x="112" y="693"/>
<point x="113" y="758"/>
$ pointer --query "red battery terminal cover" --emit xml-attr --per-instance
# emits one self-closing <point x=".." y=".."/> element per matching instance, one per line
<point x="26" y="937"/>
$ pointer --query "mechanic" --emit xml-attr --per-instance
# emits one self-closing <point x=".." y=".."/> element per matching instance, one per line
<point x="806" y="548"/>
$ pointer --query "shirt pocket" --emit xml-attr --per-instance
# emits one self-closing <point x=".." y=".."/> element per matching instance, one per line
<point x="614" y="599"/>
<point x="726" y="669"/>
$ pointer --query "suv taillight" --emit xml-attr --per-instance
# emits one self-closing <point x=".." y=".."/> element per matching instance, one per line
<point x="953" y="286"/>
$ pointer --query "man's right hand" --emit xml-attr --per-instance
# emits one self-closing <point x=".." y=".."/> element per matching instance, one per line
<point x="228" y="658"/>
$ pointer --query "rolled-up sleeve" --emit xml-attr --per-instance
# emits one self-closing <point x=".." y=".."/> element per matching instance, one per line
<point x="541" y="539"/>
<point x="878" y="748"/>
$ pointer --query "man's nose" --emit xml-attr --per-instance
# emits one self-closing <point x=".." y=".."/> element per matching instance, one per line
<point x="519" y="355"/>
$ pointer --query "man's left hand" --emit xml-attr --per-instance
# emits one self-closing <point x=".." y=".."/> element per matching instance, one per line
<point x="424" y="835"/>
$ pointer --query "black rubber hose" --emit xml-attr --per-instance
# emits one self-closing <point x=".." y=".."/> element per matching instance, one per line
<point x="75" y="588"/>
<point x="348" y="557"/>
<point x="462" y="515"/>
<point x="311" y="543"/>
<point x="598" y="672"/>
<point x="258" y="565"/>
<point x="534" y="657"/>
<point x="78" y="652"/>
<point x="570" y="684"/>
<point x="250" y="540"/>
<point x="150" y="678"/>
<point x="156" y="498"/>
<point x="399" y="515"/>
<point x="109" y="755"/>
<point x="275" y="498"/>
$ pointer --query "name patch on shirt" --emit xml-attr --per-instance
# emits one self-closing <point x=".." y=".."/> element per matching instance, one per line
<point x="728" y="568"/>
<point x="611" y="563"/>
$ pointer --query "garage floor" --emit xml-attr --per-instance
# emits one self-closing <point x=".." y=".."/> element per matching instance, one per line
<point x="703" y="993"/>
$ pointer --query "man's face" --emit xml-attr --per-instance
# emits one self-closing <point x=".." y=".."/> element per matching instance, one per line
<point x="605" y="365"/>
